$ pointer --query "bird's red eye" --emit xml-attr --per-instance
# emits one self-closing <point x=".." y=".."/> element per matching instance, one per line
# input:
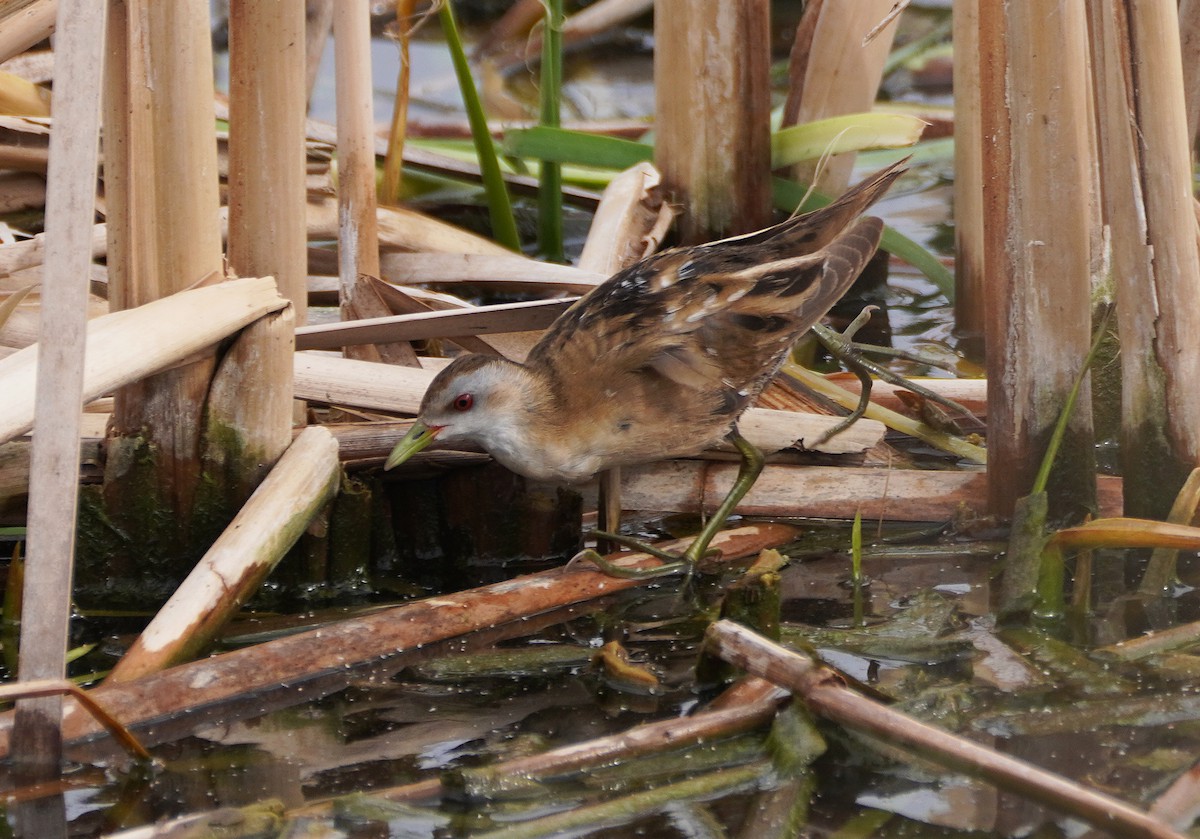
<point x="463" y="402"/>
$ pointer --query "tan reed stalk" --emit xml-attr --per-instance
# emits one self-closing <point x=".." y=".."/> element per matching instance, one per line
<point x="53" y="495"/>
<point x="968" y="176"/>
<point x="318" y="23"/>
<point x="267" y="237"/>
<point x="712" y="81"/>
<point x="1039" y="328"/>
<point x="1148" y="205"/>
<point x="1189" y="40"/>
<point x="358" y="239"/>
<point x="164" y="229"/>
<point x="393" y="162"/>
<point x="841" y="75"/>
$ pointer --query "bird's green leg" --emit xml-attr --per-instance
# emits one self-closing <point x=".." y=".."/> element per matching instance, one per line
<point x="749" y="470"/>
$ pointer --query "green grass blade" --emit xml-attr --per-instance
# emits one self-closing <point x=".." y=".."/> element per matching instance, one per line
<point x="504" y="226"/>
<point x="847" y="133"/>
<point x="564" y="146"/>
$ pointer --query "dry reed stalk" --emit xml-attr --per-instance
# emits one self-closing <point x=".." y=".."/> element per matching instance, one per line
<point x="504" y="318"/>
<point x="629" y="223"/>
<point x="1039" y="327"/>
<point x="318" y="23"/>
<point x="303" y="481"/>
<point x="712" y="117"/>
<point x="503" y="272"/>
<point x="364" y="384"/>
<point x="32" y="252"/>
<point x="841" y="76"/>
<point x="250" y="412"/>
<point x="251" y="396"/>
<point x="399" y="227"/>
<point x="161" y="187"/>
<point x="54" y="465"/>
<point x="1189" y="40"/>
<point x="267" y="221"/>
<point x="126" y="346"/>
<point x="970" y="393"/>
<point x="322" y="660"/>
<point x="24" y="23"/>
<point x="358" y="239"/>
<point x="1149" y="208"/>
<point x="393" y="162"/>
<point x="825" y="693"/>
<point x="685" y="486"/>
<point x="968" y="178"/>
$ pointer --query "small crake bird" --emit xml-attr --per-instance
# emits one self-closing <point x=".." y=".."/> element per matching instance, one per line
<point x="660" y="360"/>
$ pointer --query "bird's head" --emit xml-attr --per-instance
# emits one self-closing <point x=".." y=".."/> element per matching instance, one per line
<point x="476" y="398"/>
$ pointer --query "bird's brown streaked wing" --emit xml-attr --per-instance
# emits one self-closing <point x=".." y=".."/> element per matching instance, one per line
<point x="751" y="337"/>
<point x="814" y="230"/>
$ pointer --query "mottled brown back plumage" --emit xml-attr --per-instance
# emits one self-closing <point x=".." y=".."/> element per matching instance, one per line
<point x="660" y="360"/>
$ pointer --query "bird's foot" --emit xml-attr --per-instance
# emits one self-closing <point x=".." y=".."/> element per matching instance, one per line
<point x="684" y="563"/>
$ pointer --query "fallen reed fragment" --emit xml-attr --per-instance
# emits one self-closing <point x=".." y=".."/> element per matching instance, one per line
<point x="826" y="695"/>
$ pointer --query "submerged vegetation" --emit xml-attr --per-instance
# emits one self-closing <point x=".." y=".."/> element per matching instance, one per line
<point x="890" y="643"/>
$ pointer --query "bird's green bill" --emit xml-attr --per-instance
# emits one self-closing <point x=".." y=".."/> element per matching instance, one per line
<point x="417" y="438"/>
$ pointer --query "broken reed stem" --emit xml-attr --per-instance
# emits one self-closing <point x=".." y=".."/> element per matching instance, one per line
<point x="250" y="401"/>
<point x="825" y="694"/>
<point x="1040" y="327"/>
<point x="53" y="490"/>
<point x="27" y="24"/>
<point x="323" y="659"/>
<point x="358" y="237"/>
<point x="302" y="482"/>
<point x="712" y="57"/>
<point x="129" y="345"/>
<point x="841" y="76"/>
<point x="1149" y="207"/>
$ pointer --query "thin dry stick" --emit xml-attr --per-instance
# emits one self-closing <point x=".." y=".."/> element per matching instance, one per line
<point x="744" y="706"/>
<point x="968" y="176"/>
<point x="65" y="687"/>
<point x="393" y="162"/>
<point x="319" y="20"/>
<point x="53" y="491"/>
<point x="825" y="694"/>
